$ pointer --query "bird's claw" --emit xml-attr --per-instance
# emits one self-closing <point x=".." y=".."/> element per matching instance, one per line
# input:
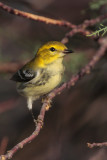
<point x="47" y="101"/>
<point x="39" y="120"/>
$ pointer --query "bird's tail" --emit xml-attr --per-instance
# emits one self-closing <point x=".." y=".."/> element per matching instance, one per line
<point x="29" y="105"/>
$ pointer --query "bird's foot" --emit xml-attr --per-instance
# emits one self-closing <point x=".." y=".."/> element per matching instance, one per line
<point x="46" y="100"/>
<point x="39" y="121"/>
<point x="34" y="120"/>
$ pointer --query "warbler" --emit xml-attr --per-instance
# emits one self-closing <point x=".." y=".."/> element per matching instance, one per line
<point x="43" y="73"/>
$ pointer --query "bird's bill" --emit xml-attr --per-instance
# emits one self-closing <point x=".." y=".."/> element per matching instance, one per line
<point x="67" y="51"/>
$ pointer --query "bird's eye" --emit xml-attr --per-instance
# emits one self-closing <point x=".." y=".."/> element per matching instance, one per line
<point x="52" y="49"/>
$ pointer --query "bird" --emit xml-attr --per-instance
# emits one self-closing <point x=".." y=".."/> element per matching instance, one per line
<point x="42" y="73"/>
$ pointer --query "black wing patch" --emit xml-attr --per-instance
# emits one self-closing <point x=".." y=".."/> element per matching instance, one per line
<point x="23" y="75"/>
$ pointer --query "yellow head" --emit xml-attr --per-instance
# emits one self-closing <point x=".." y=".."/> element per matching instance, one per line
<point x="50" y="52"/>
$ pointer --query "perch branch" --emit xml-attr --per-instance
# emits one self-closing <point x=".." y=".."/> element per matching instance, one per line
<point x="51" y="95"/>
<point x="30" y="138"/>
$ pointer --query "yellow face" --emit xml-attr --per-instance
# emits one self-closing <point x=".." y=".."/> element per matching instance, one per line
<point x="51" y="51"/>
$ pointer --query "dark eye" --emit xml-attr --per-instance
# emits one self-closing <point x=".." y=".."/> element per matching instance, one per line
<point x="52" y="49"/>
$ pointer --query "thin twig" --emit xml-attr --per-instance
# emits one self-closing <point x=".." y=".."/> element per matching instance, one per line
<point x="47" y="20"/>
<point x="51" y="95"/>
<point x="92" y="22"/>
<point x="74" y="31"/>
<point x="92" y="145"/>
<point x="81" y="28"/>
<point x="35" y="17"/>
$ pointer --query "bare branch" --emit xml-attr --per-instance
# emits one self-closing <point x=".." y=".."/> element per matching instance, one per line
<point x="92" y="145"/>
<point x="82" y="28"/>
<point x="30" y="138"/>
<point x="92" y="22"/>
<point x="74" y="31"/>
<point x="35" y="17"/>
<point x="47" y="20"/>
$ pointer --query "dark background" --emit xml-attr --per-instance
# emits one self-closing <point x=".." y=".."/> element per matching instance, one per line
<point x="78" y="115"/>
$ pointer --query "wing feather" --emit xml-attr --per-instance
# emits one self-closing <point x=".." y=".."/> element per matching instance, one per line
<point x="24" y="75"/>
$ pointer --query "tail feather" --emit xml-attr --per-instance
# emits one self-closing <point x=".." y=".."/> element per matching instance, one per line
<point x="29" y="103"/>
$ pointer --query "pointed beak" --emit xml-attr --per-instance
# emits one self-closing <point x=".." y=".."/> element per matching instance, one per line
<point x="67" y="51"/>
